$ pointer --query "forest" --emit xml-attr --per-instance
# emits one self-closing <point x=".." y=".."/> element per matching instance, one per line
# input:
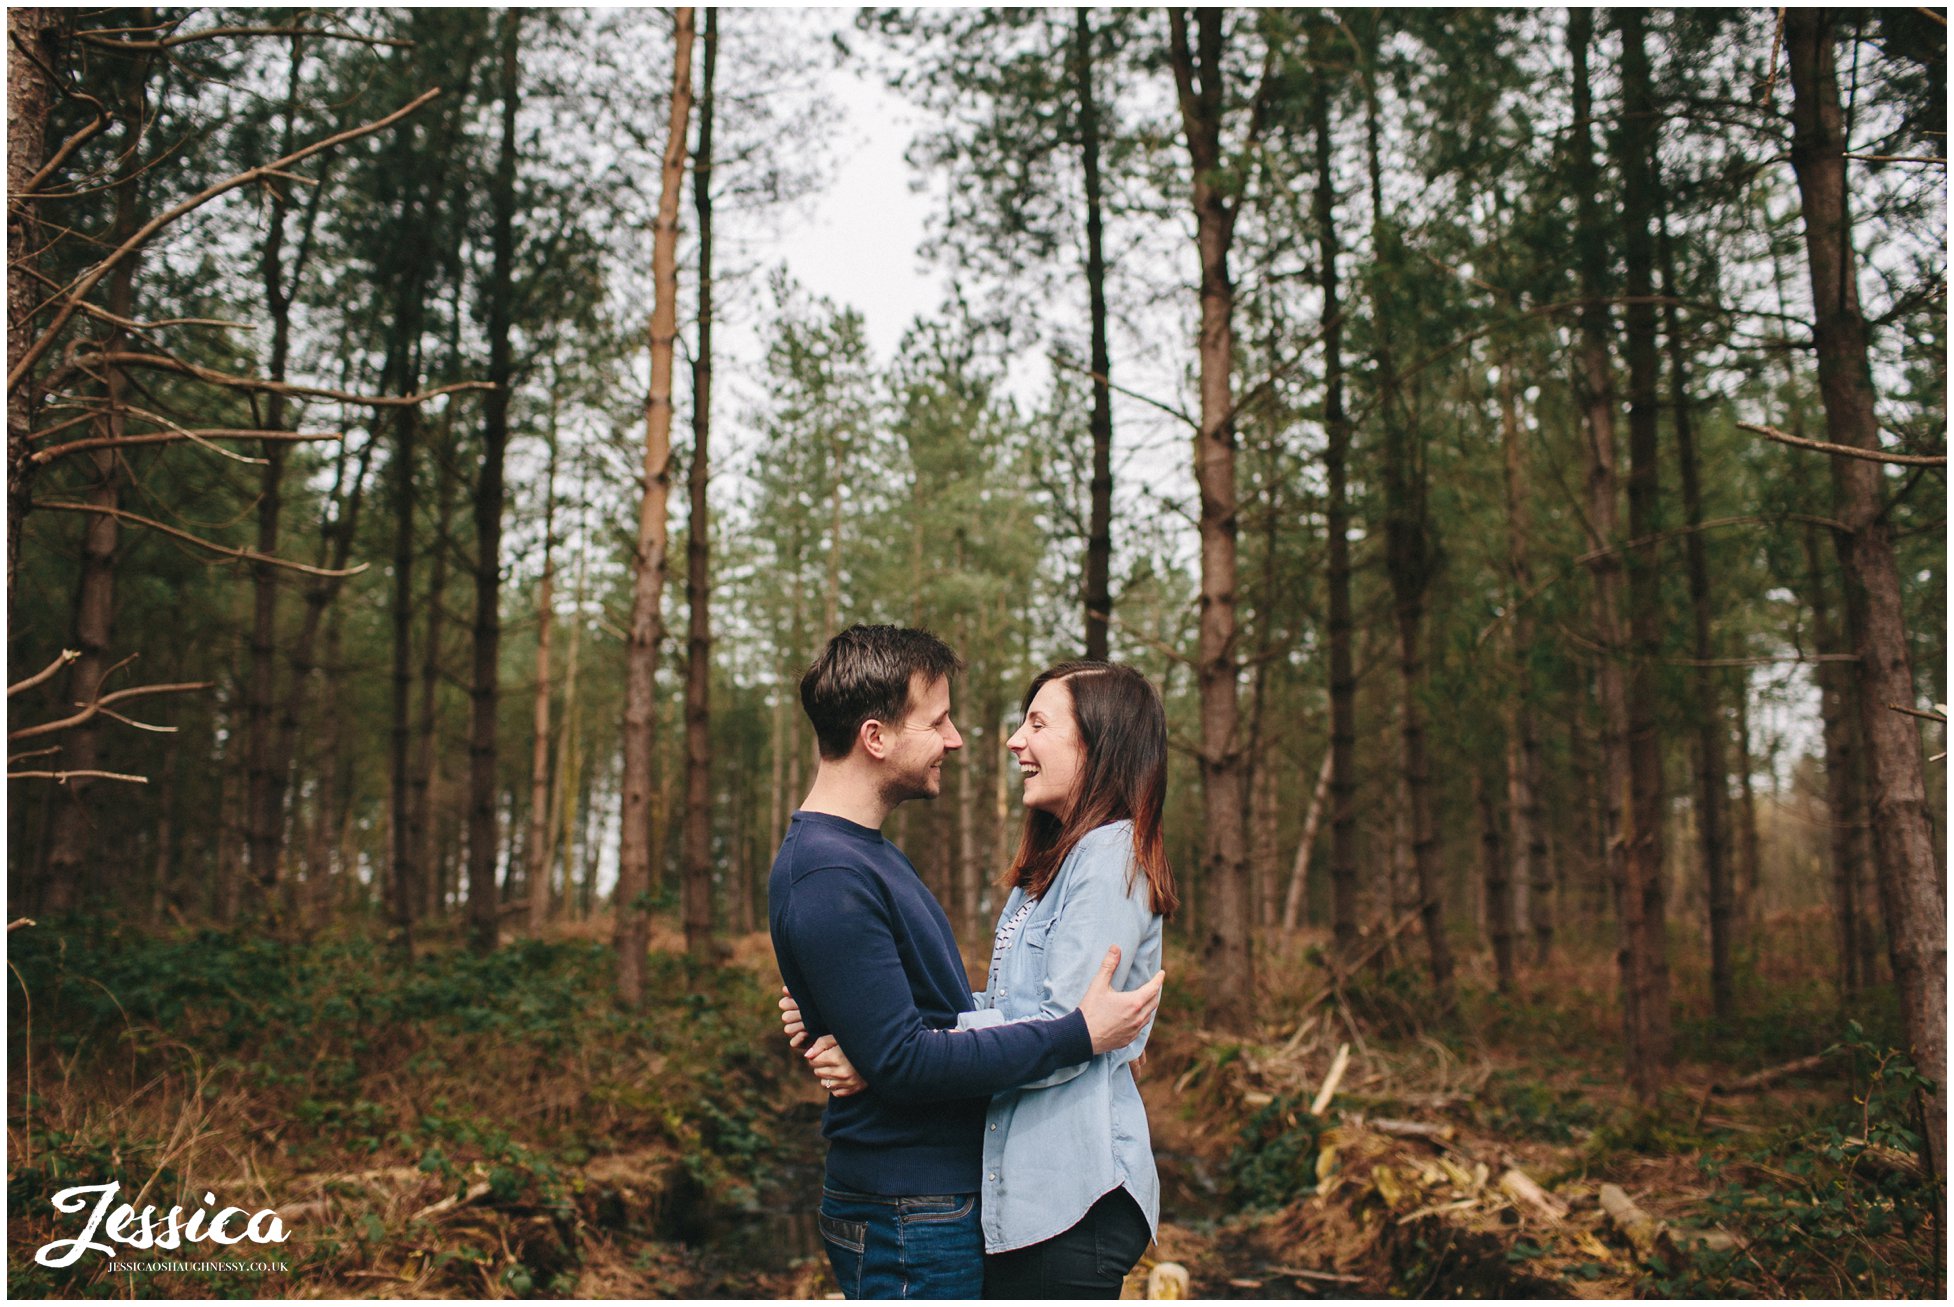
<point x="1512" y="440"/>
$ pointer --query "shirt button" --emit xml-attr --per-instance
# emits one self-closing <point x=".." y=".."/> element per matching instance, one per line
<point x="993" y="1175"/>
<point x="993" y="1125"/>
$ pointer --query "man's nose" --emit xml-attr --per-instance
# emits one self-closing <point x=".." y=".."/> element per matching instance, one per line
<point x="954" y="740"/>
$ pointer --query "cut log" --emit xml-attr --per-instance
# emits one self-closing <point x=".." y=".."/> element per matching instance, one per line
<point x="1168" y="1281"/>
<point x="1642" y="1231"/>
<point x="1527" y="1194"/>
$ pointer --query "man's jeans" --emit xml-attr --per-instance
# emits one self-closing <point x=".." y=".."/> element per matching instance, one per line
<point x="912" y="1247"/>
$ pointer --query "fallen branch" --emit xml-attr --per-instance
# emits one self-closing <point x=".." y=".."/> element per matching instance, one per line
<point x="1882" y="1160"/>
<point x="18" y="922"/>
<point x="452" y="1201"/>
<point x="1525" y="1191"/>
<point x="1338" y="1065"/>
<point x="1844" y="451"/>
<point x="1642" y="1231"/>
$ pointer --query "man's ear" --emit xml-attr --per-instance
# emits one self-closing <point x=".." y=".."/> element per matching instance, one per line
<point x="874" y="739"/>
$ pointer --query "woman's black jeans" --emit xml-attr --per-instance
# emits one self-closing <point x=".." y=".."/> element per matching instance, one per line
<point x="1090" y="1260"/>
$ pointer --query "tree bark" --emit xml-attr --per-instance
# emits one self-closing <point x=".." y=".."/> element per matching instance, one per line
<point x="427" y="776"/>
<point x="70" y="867"/>
<point x="1497" y="875"/>
<point x="1529" y="838"/>
<point x="1644" y="918"/>
<point x="539" y="845"/>
<point x="648" y="566"/>
<point x="484" y="840"/>
<point x="696" y="854"/>
<point x="1409" y="561"/>
<point x="1099" y="526"/>
<point x="32" y="37"/>
<point x="1843" y="810"/>
<point x="1226" y="942"/>
<point x="264" y="807"/>
<point x="1336" y="457"/>
<point x="1596" y="388"/>
<point x="1911" y="897"/>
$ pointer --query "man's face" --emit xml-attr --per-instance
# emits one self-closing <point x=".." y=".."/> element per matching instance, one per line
<point x="914" y="766"/>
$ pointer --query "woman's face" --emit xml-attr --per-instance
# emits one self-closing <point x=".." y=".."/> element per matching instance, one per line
<point x="1051" y="757"/>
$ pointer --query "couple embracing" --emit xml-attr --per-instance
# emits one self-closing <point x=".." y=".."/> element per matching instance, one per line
<point x="979" y="1144"/>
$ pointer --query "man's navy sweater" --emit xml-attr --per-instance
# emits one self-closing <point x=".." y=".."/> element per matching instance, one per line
<point x="868" y="954"/>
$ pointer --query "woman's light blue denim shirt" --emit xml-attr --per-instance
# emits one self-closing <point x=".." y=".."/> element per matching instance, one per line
<point x="1054" y="1147"/>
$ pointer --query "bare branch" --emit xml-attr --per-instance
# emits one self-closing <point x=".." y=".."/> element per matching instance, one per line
<point x="1847" y="451"/>
<point x="33" y="353"/>
<point x="89" y="710"/>
<point x="247" y="555"/>
<point x="101" y="37"/>
<point x="199" y="435"/>
<point x="45" y="674"/>
<point x="1940" y="717"/>
<point x="166" y="363"/>
<point x="1063" y="362"/>
<point x="1898" y="158"/>
<point x="63" y="777"/>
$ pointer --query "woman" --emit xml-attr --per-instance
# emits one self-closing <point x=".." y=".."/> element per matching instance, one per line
<point x="1070" y="1196"/>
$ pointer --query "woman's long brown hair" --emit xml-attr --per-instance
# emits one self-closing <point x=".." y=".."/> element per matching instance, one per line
<point x="1124" y="731"/>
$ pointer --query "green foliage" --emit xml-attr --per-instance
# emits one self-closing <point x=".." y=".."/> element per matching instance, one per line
<point x="1814" y="1215"/>
<point x="497" y="1078"/>
<point x="1275" y="1161"/>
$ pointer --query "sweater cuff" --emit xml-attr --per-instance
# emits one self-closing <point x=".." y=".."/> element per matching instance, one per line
<point x="1074" y="1041"/>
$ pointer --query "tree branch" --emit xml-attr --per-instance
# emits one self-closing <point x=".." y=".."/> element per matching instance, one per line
<point x="199" y="435"/>
<point x="33" y="353"/>
<point x="1846" y="451"/>
<point x="89" y="710"/>
<point x="63" y="777"/>
<point x="45" y="674"/>
<point x="166" y="363"/>
<point x="246" y="555"/>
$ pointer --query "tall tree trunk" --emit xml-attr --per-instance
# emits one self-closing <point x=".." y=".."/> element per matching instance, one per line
<point x="1597" y="391"/>
<point x="1911" y="896"/>
<point x="70" y="872"/>
<point x="697" y="850"/>
<point x="539" y="845"/>
<point x="569" y="751"/>
<point x="32" y="37"/>
<point x="1226" y="943"/>
<point x="1408" y="558"/>
<point x="649" y="562"/>
<point x="1844" y="816"/>
<point x="1644" y="911"/>
<point x="1336" y="457"/>
<point x="1099" y="526"/>
<point x="263" y="797"/>
<point x="1497" y="875"/>
<point x="428" y="774"/>
<point x="1712" y="779"/>
<point x="1529" y="836"/>
<point x="484" y="842"/>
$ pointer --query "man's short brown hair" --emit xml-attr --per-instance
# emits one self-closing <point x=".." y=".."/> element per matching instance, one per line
<point x="864" y="674"/>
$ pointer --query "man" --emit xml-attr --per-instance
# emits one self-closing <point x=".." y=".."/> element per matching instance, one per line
<point x="870" y="957"/>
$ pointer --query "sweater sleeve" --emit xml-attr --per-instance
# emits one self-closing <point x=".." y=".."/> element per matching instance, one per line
<point x="844" y="943"/>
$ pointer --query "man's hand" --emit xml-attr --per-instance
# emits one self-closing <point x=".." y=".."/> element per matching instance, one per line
<point x="790" y="1019"/>
<point x="1114" y="1018"/>
<point x="837" y="1073"/>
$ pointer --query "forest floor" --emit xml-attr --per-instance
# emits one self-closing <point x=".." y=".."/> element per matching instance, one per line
<point x="494" y="1127"/>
